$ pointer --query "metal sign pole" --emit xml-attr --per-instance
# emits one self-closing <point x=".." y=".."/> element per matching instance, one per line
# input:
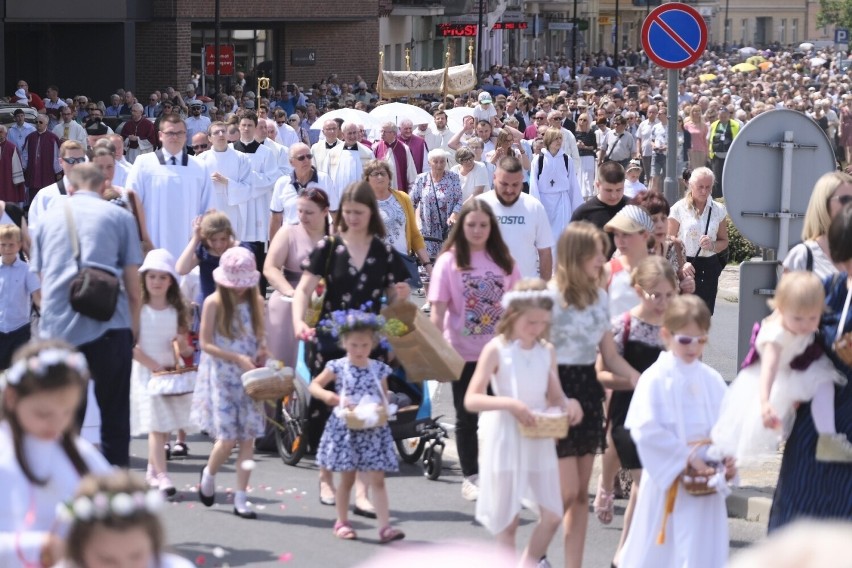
<point x="670" y="185"/>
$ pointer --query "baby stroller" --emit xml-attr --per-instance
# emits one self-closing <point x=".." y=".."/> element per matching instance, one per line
<point x="417" y="435"/>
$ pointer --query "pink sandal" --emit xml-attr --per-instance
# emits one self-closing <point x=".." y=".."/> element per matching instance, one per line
<point x="389" y="534"/>
<point x="604" y="505"/>
<point x="344" y="531"/>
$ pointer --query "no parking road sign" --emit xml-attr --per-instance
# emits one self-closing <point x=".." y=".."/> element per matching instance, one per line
<point x="674" y="35"/>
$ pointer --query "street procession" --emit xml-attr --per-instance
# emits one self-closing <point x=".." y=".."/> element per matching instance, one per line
<point x="571" y="304"/>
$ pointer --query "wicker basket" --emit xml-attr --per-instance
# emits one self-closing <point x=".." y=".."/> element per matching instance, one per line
<point x="843" y="348"/>
<point x="547" y="426"/>
<point x="355" y="423"/>
<point x="268" y="384"/>
<point x="693" y="483"/>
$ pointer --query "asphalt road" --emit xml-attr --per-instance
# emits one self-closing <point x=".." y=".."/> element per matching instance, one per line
<point x="293" y="529"/>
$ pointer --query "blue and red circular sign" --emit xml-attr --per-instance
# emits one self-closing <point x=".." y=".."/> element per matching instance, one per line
<point x="674" y="35"/>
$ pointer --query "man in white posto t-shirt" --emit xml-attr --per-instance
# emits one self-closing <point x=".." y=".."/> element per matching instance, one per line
<point x="523" y="220"/>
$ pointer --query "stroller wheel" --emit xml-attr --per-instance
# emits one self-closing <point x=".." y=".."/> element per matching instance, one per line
<point x="410" y="449"/>
<point x="433" y="461"/>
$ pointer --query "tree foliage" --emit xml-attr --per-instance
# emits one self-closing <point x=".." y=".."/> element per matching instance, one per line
<point x="835" y="12"/>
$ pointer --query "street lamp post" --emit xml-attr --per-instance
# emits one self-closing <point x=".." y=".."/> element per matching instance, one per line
<point x="479" y="40"/>
<point x="615" y="38"/>
<point x="217" y="26"/>
<point x="574" y="30"/>
<point x="725" y="39"/>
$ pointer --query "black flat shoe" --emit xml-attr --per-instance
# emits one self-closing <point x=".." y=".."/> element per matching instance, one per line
<point x="247" y="514"/>
<point x="180" y="450"/>
<point x="368" y="513"/>
<point x="207" y="501"/>
<point x="328" y="501"/>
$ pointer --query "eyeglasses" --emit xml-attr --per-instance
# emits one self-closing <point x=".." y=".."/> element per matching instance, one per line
<point x="92" y="109"/>
<point x="842" y="199"/>
<point x="217" y="132"/>
<point x="540" y="117"/>
<point x="200" y="146"/>
<point x="378" y="173"/>
<point x="153" y="99"/>
<point x="689" y="340"/>
<point x="173" y="133"/>
<point x="73" y="161"/>
<point x="303" y="157"/>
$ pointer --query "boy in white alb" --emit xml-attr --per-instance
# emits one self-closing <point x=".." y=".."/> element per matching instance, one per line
<point x="523" y="221"/>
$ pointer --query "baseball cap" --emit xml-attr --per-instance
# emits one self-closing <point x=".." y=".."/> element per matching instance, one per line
<point x="485" y="98"/>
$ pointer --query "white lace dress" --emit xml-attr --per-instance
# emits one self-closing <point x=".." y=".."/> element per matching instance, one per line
<point x="514" y="470"/>
<point x="157" y="329"/>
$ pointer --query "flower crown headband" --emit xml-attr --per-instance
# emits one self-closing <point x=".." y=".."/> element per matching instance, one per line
<point x="341" y="322"/>
<point x="526" y="296"/>
<point x="39" y="364"/>
<point x="103" y="505"/>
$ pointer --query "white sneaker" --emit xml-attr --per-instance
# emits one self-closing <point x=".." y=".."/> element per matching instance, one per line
<point x="426" y="308"/>
<point x="470" y="488"/>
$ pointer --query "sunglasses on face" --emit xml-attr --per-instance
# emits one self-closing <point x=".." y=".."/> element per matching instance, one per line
<point x="689" y="340"/>
<point x="303" y="157"/>
<point x="843" y="199"/>
<point x="200" y="146"/>
<point x="73" y="161"/>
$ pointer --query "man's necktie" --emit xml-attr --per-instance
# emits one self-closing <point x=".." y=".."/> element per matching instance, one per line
<point x="174" y="161"/>
<point x="65" y="132"/>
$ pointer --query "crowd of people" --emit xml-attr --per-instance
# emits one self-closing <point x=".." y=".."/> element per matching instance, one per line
<point x="533" y="224"/>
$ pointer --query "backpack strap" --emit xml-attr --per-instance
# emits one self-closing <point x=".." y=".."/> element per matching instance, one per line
<point x="61" y="186"/>
<point x="809" y="262"/>
<point x="541" y="164"/>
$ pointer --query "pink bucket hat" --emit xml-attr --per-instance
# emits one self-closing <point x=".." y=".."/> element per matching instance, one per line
<point x="237" y="269"/>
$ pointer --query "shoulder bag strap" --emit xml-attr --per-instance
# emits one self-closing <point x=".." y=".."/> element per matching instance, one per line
<point x="842" y="322"/>
<point x="61" y="186"/>
<point x="809" y="262"/>
<point x="72" y="233"/>
<point x="709" y="214"/>
<point x="437" y="205"/>
<point x="612" y="148"/>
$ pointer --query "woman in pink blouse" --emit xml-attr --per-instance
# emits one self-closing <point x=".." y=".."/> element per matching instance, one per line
<point x="697" y="128"/>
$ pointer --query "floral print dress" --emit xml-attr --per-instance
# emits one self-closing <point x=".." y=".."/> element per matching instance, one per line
<point x="220" y="404"/>
<point x="343" y="449"/>
<point x="436" y="202"/>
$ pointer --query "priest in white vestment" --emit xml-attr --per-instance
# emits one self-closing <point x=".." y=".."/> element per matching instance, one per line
<point x="346" y="162"/>
<point x="173" y="186"/>
<point x="282" y="152"/>
<point x="265" y="173"/>
<point x="230" y="172"/>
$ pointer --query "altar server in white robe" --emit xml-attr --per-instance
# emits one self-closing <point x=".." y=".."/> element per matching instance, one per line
<point x="230" y="172"/>
<point x="553" y="182"/>
<point x="265" y="173"/>
<point x="174" y="188"/>
<point x="675" y="405"/>
<point x="282" y="152"/>
<point x="346" y="161"/>
<point x="43" y="389"/>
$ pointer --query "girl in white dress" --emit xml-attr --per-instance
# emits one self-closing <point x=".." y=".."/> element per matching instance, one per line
<point x="163" y="321"/>
<point x="759" y="408"/>
<point x="115" y="523"/>
<point x="674" y="406"/>
<point x="41" y="457"/>
<point x="520" y="366"/>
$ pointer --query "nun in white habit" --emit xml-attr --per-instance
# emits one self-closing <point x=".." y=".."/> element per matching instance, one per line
<point x="675" y="403"/>
<point x="553" y="181"/>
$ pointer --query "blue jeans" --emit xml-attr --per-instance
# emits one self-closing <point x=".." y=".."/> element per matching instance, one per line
<point x="110" y="360"/>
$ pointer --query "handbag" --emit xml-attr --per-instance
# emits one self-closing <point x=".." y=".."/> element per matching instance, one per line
<point x="413" y="270"/>
<point x="693" y="483"/>
<point x="722" y="257"/>
<point x="176" y="381"/>
<point x="312" y="314"/>
<point x="94" y="291"/>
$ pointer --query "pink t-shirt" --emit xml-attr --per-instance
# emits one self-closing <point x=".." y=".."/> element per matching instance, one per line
<point x="699" y="138"/>
<point x="473" y="300"/>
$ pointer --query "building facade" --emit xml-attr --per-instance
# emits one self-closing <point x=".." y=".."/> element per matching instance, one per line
<point x="97" y="46"/>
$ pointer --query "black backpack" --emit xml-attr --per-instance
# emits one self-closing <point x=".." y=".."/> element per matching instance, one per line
<point x="541" y="165"/>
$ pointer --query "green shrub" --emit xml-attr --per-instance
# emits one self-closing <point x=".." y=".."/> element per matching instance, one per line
<point x="741" y="248"/>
